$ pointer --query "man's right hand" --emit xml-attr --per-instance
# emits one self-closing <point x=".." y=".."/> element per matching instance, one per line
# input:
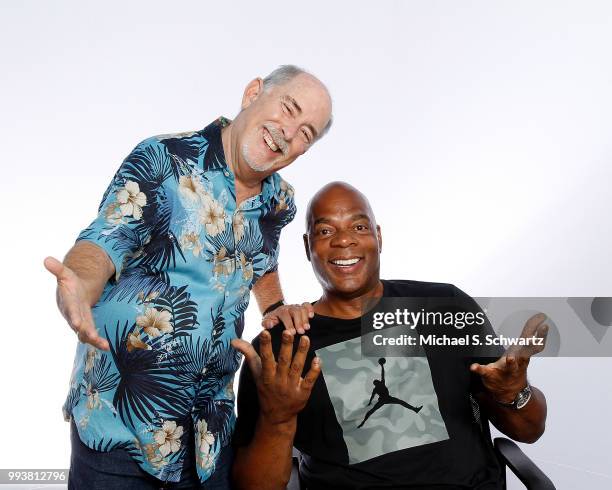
<point x="281" y="389"/>
<point x="73" y="303"/>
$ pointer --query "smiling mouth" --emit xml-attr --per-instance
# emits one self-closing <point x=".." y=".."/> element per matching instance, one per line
<point x="345" y="262"/>
<point x="269" y="141"/>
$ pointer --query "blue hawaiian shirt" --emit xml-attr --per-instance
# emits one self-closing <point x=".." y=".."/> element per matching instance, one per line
<point x="186" y="258"/>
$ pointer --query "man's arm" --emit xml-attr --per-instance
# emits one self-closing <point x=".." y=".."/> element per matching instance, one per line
<point x="268" y="291"/>
<point x="505" y="378"/>
<point x="80" y="282"/>
<point x="524" y="425"/>
<point x="265" y="463"/>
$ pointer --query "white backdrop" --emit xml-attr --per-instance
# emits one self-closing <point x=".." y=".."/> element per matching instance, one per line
<point x="480" y="131"/>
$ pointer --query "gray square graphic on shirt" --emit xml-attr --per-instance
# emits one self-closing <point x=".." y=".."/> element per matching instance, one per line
<point x="395" y="421"/>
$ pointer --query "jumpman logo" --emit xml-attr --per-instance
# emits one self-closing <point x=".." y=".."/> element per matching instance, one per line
<point x="380" y="389"/>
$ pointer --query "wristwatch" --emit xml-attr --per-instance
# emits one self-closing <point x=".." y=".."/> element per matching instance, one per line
<point x="520" y="400"/>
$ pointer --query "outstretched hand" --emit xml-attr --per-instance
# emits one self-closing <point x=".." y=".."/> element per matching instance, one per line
<point x="281" y="389"/>
<point x="507" y="376"/>
<point x="73" y="304"/>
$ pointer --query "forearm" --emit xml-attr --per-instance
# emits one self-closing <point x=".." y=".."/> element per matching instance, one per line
<point x="267" y="290"/>
<point x="93" y="267"/>
<point x="266" y="462"/>
<point x="524" y="425"/>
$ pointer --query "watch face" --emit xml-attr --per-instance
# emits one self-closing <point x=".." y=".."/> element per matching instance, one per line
<point x="523" y="397"/>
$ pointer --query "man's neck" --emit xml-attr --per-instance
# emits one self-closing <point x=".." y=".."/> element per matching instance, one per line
<point x="337" y="306"/>
<point x="246" y="185"/>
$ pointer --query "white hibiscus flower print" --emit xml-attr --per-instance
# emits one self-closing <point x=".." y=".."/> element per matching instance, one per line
<point x="191" y="188"/>
<point x="155" y="322"/>
<point x="191" y="241"/>
<point x="93" y="398"/>
<point x="168" y="438"/>
<point x="204" y="438"/>
<point x="212" y="216"/>
<point x="131" y="200"/>
<point x="238" y="225"/>
<point x="113" y="214"/>
<point x="90" y="359"/>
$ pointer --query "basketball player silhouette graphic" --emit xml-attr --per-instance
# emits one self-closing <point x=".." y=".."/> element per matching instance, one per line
<point x="380" y="389"/>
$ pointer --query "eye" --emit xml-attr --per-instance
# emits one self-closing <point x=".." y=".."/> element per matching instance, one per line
<point x="306" y="135"/>
<point x="361" y="227"/>
<point x="286" y="108"/>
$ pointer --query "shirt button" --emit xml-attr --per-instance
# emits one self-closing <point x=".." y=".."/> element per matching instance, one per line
<point x="226" y="173"/>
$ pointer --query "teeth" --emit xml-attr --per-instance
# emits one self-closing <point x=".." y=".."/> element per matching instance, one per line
<point x="270" y="142"/>
<point x="345" y="262"/>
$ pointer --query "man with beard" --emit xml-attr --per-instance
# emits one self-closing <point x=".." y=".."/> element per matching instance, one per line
<point x="318" y="395"/>
<point x="156" y="288"/>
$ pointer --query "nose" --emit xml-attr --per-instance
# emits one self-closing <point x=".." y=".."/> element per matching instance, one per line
<point x="289" y="131"/>
<point x="343" y="239"/>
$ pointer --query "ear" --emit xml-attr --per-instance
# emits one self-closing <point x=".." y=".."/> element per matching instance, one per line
<point x="306" y="246"/>
<point x="253" y="90"/>
<point x="379" y="237"/>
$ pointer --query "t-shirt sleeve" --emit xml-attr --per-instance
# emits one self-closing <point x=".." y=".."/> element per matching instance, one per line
<point x="126" y="215"/>
<point x="248" y="405"/>
<point x="492" y="353"/>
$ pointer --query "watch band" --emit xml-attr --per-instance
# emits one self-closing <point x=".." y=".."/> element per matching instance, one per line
<point x="273" y="307"/>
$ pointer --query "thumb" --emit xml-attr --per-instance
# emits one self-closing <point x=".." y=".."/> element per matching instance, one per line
<point x="249" y="353"/>
<point x="478" y="369"/>
<point x="54" y="266"/>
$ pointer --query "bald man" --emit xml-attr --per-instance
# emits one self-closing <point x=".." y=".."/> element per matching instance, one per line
<point x="363" y="422"/>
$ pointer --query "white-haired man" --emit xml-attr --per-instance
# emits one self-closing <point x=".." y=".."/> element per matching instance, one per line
<point x="156" y="288"/>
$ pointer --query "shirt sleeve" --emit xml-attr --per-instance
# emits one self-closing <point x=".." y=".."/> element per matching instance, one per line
<point x="283" y="213"/>
<point x="126" y="214"/>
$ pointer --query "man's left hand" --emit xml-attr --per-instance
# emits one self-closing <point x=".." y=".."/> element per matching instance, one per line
<point x="294" y="317"/>
<point x="507" y="376"/>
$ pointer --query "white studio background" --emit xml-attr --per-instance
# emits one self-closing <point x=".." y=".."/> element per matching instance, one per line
<point x="479" y="130"/>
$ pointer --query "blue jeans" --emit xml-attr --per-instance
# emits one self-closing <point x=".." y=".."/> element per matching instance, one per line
<point x="117" y="470"/>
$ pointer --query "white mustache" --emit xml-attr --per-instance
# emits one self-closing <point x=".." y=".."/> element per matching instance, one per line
<point x="278" y="138"/>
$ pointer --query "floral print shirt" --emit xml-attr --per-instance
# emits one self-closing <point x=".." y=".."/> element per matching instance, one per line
<point x="186" y="258"/>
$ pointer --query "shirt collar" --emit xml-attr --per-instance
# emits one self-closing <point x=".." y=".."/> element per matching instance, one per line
<point x="214" y="159"/>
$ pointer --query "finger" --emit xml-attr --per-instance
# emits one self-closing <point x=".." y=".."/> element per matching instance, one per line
<point x="285" y="317"/>
<point x="250" y="354"/>
<point x="307" y="314"/>
<point x="297" y="365"/>
<point x="296" y="317"/>
<point x="96" y="340"/>
<point x="532" y="324"/>
<point x="268" y="364"/>
<point x="310" y="309"/>
<point x="312" y="375"/>
<point x="512" y="364"/>
<point x="284" y="356"/>
<point x="269" y="321"/>
<point x="71" y="309"/>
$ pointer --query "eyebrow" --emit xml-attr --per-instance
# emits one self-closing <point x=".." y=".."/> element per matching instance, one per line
<point x="299" y="109"/>
<point x="354" y="217"/>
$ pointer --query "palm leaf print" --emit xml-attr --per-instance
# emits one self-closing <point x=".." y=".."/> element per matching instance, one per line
<point x="138" y="279"/>
<point x="147" y="386"/>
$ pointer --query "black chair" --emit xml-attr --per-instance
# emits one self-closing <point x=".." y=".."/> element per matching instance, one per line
<point x="507" y="451"/>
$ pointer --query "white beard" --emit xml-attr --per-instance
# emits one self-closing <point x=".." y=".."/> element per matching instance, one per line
<point x="252" y="163"/>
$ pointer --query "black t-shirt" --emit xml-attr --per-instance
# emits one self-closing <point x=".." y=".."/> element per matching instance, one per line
<point x="401" y="423"/>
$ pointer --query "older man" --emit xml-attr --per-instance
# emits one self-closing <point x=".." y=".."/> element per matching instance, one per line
<point x="157" y="286"/>
<point x="373" y="422"/>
